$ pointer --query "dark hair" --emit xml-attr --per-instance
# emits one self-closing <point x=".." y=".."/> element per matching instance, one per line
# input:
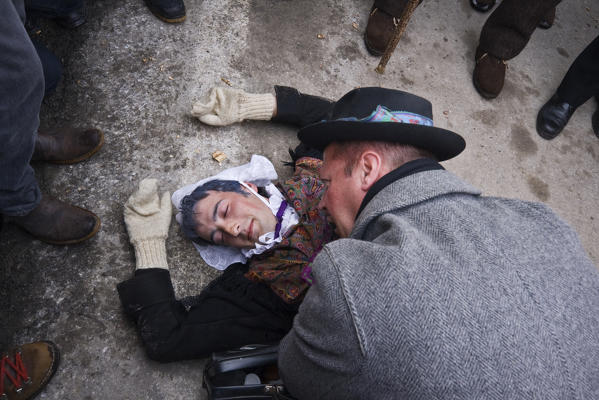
<point x="188" y="203"/>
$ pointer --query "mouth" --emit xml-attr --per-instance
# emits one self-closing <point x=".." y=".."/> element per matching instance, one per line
<point x="250" y="232"/>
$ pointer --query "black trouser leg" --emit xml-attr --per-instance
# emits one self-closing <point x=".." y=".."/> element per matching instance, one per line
<point x="582" y="79"/>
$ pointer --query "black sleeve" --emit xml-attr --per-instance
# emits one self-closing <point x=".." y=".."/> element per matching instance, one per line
<point x="230" y="312"/>
<point x="300" y="109"/>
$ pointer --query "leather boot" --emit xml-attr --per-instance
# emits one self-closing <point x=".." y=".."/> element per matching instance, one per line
<point x="56" y="222"/>
<point x="167" y="10"/>
<point x="380" y="28"/>
<point x="379" y="31"/>
<point x="489" y="74"/>
<point x="26" y="370"/>
<point x="553" y="117"/>
<point x="67" y="145"/>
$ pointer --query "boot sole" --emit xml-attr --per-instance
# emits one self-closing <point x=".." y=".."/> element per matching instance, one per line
<point x="547" y="136"/>
<point x="484" y="94"/>
<point x="172" y="20"/>
<point x="370" y="49"/>
<point x="82" y="157"/>
<point x="165" y="19"/>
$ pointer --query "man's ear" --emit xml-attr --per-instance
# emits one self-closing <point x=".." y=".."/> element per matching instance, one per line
<point x="370" y="167"/>
<point x="254" y="187"/>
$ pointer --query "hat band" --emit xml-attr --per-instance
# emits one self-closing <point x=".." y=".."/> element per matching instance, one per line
<point x="383" y="114"/>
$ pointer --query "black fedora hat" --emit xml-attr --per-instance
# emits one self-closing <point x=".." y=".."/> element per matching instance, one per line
<point x="387" y="115"/>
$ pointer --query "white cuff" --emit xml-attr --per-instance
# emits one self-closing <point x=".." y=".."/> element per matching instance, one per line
<point x="150" y="253"/>
<point x="257" y="106"/>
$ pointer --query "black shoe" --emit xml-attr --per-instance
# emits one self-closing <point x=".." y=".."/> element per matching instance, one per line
<point x="73" y="19"/>
<point x="167" y="10"/>
<point x="553" y="117"/>
<point x="548" y="20"/>
<point x="482" y="5"/>
<point x="68" y="20"/>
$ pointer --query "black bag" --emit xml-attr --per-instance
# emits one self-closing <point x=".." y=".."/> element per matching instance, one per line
<point x="234" y="374"/>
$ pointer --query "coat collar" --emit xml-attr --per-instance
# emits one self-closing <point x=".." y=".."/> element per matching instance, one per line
<point x="409" y="190"/>
<point x="409" y="168"/>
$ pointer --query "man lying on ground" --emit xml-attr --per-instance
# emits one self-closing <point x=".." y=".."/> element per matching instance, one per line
<point x="270" y="234"/>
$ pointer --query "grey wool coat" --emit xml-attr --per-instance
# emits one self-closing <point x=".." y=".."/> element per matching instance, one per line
<point x="440" y="293"/>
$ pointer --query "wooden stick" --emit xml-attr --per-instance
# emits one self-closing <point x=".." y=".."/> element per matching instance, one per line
<point x="399" y="30"/>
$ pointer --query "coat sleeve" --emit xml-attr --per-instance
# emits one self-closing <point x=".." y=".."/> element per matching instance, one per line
<point x="300" y="109"/>
<point x="322" y="352"/>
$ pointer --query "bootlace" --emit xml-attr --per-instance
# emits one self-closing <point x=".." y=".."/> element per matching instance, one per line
<point x="18" y="377"/>
<point x="499" y="60"/>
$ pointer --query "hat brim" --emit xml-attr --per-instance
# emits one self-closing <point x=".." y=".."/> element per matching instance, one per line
<point x="444" y="144"/>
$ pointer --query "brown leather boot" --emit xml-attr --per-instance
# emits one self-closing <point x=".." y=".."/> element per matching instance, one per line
<point x="67" y="145"/>
<point x="489" y="74"/>
<point x="380" y="28"/>
<point x="57" y="222"/>
<point x="379" y="31"/>
<point x="25" y="370"/>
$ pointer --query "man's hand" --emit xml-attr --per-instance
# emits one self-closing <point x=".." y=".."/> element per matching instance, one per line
<point x="148" y="218"/>
<point x="226" y="106"/>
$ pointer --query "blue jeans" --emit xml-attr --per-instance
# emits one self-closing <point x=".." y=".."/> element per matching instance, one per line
<point x="21" y="93"/>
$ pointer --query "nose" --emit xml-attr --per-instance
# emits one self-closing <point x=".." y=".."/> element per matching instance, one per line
<point x="230" y="227"/>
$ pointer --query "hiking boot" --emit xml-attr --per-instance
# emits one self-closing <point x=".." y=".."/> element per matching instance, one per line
<point x="57" y="222"/>
<point x="25" y="370"/>
<point x="171" y="11"/>
<point x="489" y="74"/>
<point x="67" y="145"/>
<point x="482" y="5"/>
<point x="553" y="117"/>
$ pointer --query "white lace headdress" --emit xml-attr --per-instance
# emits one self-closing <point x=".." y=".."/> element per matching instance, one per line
<point x="260" y="172"/>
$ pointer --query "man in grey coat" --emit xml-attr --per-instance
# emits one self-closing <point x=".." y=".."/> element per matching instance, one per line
<point x="435" y="292"/>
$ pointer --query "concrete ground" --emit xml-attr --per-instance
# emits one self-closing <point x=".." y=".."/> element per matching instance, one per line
<point x="136" y="77"/>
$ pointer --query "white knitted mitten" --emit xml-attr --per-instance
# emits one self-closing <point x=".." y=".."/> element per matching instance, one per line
<point x="148" y="218"/>
<point x="226" y="106"/>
